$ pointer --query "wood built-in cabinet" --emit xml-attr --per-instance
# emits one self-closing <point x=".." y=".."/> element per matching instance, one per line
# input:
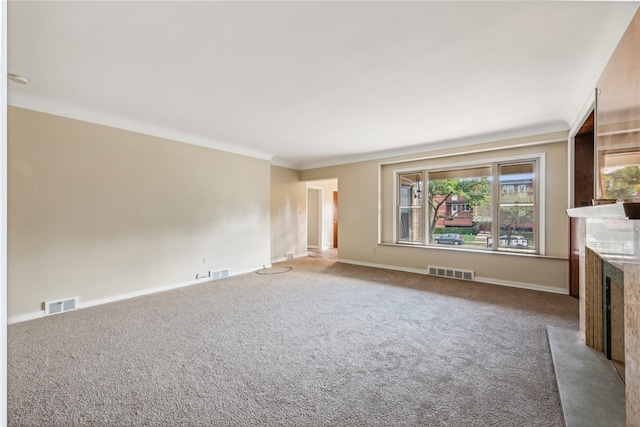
<point x="608" y="143"/>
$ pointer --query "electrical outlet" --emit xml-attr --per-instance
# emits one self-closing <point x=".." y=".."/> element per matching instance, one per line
<point x="204" y="260"/>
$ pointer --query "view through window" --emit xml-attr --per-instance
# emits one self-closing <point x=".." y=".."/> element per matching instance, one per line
<point x="459" y="205"/>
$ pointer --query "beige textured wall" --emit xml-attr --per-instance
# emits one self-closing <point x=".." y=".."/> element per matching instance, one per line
<point x="99" y="212"/>
<point x="314" y="217"/>
<point x="288" y="213"/>
<point x="359" y="211"/>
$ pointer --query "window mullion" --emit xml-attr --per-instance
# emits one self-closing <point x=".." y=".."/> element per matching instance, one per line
<point x="425" y="210"/>
<point x="495" y="206"/>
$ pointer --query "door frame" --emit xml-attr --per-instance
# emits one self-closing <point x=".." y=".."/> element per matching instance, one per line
<point x="335" y="220"/>
<point x="589" y="107"/>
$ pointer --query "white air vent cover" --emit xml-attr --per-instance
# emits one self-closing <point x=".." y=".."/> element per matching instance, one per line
<point x="288" y="255"/>
<point x="220" y="274"/>
<point x="61" y="305"/>
<point x="452" y="273"/>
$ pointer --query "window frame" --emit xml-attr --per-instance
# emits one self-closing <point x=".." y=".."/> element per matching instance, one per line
<point x="399" y="206"/>
<point x="539" y="188"/>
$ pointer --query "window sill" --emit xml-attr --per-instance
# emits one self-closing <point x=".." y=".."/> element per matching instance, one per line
<point x="475" y="251"/>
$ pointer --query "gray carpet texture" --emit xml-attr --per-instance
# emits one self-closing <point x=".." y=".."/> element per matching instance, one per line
<point x="322" y="344"/>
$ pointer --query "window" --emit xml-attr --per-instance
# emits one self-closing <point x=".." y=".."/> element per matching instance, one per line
<point x="470" y="186"/>
<point x="516" y="211"/>
<point x="478" y="201"/>
<point x="410" y="208"/>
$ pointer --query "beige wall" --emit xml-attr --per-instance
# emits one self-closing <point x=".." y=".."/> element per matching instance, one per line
<point x="358" y="206"/>
<point x="314" y="217"/>
<point x="359" y="212"/>
<point x="288" y="213"/>
<point x="98" y="212"/>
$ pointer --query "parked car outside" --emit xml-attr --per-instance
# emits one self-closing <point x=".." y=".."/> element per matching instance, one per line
<point x="449" y="239"/>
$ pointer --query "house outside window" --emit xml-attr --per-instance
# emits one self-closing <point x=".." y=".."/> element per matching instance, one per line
<point x="516" y="211"/>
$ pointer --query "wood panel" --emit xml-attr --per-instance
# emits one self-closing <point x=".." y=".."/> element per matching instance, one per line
<point x="593" y="297"/>
<point x="618" y="102"/>
<point x="583" y="191"/>
<point x="583" y="164"/>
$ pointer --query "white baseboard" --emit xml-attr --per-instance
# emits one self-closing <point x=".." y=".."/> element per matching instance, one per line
<point x="25" y="317"/>
<point x="100" y="301"/>
<point x="522" y="285"/>
<point x="385" y="266"/>
<point x="282" y="259"/>
<point x="487" y="280"/>
<point x="140" y="293"/>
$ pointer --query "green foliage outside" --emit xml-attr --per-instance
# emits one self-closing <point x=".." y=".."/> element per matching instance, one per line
<point x="622" y="183"/>
<point x="474" y="191"/>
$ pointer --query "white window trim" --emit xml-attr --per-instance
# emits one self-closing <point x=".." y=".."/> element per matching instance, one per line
<point x="396" y="198"/>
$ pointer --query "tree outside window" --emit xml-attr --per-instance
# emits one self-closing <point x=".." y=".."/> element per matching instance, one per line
<point x="516" y="212"/>
<point x="471" y="185"/>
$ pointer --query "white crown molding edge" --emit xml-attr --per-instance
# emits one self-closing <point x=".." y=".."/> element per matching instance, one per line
<point x="533" y="131"/>
<point x="56" y="108"/>
<point x="45" y="105"/>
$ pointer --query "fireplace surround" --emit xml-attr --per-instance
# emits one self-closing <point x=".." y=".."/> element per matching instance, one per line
<point x="610" y="248"/>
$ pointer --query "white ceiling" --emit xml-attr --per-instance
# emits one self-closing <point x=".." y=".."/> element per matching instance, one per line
<point x="307" y="84"/>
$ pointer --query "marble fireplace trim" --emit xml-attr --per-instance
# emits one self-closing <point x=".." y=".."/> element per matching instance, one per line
<point x="612" y="217"/>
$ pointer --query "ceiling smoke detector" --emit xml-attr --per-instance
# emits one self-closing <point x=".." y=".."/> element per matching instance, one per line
<point x="18" y="79"/>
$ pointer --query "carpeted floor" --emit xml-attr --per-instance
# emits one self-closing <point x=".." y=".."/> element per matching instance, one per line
<point x="324" y="344"/>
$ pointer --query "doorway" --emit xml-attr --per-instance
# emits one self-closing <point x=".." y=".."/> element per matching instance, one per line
<point x="322" y="217"/>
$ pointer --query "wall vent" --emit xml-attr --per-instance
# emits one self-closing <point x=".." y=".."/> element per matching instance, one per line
<point x="61" y="305"/>
<point x="220" y="274"/>
<point x="452" y="273"/>
<point x="288" y="255"/>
